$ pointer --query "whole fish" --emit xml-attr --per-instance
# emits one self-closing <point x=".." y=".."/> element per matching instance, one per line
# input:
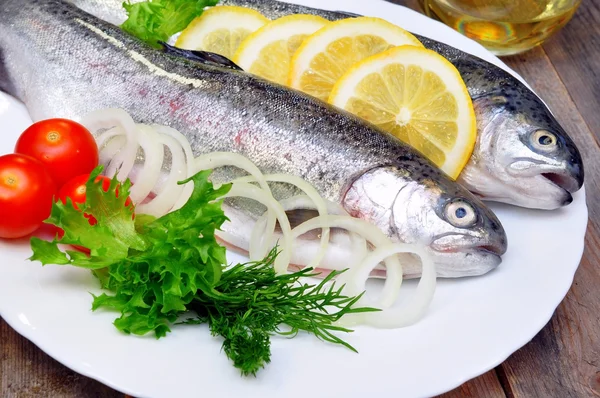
<point x="522" y="155"/>
<point x="63" y="62"/>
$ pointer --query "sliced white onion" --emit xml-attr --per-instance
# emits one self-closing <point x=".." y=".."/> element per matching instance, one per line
<point x="107" y="119"/>
<point x="250" y="191"/>
<point x="317" y="201"/>
<point x="189" y="161"/>
<point x="358" y="244"/>
<point x="220" y="159"/>
<point x="122" y="139"/>
<point x="149" y="174"/>
<point x="169" y="192"/>
<point x="112" y="147"/>
<point x="371" y="233"/>
<point x="109" y="135"/>
<point x="355" y="283"/>
<point x="259" y="238"/>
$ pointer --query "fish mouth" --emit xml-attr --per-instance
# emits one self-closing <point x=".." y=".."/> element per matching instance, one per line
<point x="496" y="250"/>
<point x="562" y="183"/>
<point x="544" y="186"/>
<point x="565" y="181"/>
<point x="564" y="175"/>
<point x="447" y="243"/>
<point x="466" y="261"/>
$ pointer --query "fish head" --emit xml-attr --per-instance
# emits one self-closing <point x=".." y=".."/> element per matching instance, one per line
<point x="422" y="205"/>
<point x="522" y="155"/>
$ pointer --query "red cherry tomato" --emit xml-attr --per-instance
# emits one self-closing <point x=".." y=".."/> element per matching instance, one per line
<point x="26" y="194"/>
<point x="66" y="148"/>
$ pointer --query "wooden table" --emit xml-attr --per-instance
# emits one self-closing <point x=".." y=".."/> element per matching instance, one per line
<point x="563" y="360"/>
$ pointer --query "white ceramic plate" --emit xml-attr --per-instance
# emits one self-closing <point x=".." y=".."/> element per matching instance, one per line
<point x="472" y="326"/>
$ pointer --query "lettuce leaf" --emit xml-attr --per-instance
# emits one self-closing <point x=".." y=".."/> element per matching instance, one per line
<point x="152" y="268"/>
<point x="157" y="20"/>
<point x="109" y="241"/>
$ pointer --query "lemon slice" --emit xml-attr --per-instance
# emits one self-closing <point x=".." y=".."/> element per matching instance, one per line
<point x="418" y="96"/>
<point x="326" y="55"/>
<point x="221" y="30"/>
<point x="268" y="51"/>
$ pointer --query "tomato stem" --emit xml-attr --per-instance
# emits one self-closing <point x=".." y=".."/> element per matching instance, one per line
<point x="10" y="180"/>
<point x="53" y="136"/>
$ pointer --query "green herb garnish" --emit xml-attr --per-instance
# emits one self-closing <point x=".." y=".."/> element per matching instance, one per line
<point x="250" y="302"/>
<point x="157" y="270"/>
<point x="157" y="20"/>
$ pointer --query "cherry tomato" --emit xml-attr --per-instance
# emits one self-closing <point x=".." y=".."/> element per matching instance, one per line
<point x="76" y="190"/>
<point x="26" y="194"/>
<point x="66" y="148"/>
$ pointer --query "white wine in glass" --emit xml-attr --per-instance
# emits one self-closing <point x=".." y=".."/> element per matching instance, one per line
<point x="504" y="27"/>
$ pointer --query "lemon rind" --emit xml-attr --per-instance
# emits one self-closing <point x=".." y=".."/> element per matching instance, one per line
<point x="351" y="27"/>
<point x="218" y="18"/>
<point x="282" y="29"/>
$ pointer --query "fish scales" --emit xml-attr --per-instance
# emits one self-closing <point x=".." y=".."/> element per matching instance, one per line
<point x="63" y="62"/>
<point x="522" y="155"/>
<point x="273" y="126"/>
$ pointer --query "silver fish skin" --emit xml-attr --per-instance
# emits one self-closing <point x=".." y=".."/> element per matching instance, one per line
<point x="63" y="62"/>
<point x="522" y="155"/>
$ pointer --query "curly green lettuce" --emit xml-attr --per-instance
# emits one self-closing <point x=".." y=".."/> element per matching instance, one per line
<point x="157" y="20"/>
<point x="154" y="268"/>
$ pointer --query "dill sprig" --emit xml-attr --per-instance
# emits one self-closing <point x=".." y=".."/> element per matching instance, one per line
<point x="251" y="302"/>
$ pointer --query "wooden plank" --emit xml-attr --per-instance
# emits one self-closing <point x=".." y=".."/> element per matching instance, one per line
<point x="484" y="386"/>
<point x="414" y="4"/>
<point x="575" y="53"/>
<point x="27" y="372"/>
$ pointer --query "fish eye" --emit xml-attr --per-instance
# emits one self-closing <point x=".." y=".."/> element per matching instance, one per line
<point x="461" y="214"/>
<point x="544" y="140"/>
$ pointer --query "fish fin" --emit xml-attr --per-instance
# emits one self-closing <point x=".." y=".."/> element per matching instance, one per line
<point x="349" y="14"/>
<point x="203" y="57"/>
<point x="299" y="216"/>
